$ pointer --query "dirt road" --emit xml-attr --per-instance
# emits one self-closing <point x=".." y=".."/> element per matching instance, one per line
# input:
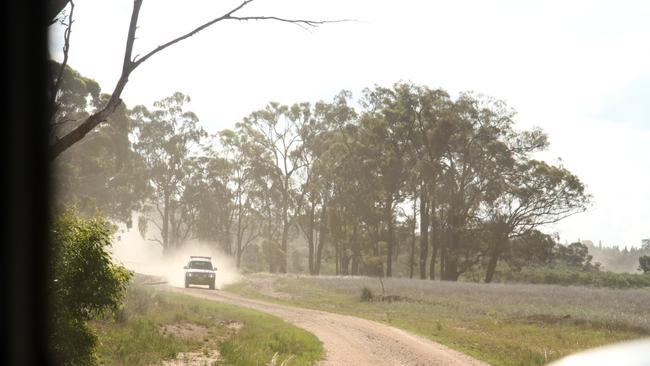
<point x="349" y="340"/>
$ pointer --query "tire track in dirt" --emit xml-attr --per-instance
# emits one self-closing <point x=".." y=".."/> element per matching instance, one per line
<point x="350" y="340"/>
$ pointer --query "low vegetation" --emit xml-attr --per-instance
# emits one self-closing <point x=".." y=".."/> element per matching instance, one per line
<point x="503" y="324"/>
<point x="571" y="276"/>
<point x="85" y="283"/>
<point x="156" y="325"/>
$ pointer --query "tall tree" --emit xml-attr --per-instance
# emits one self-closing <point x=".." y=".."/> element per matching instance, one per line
<point x="535" y="194"/>
<point x="102" y="175"/>
<point x="276" y="130"/>
<point x="165" y="139"/>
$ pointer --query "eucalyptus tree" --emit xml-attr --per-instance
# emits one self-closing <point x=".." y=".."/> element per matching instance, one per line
<point x="471" y="165"/>
<point x="245" y="185"/>
<point x="425" y="115"/>
<point x="102" y="175"/>
<point x="534" y="194"/>
<point x="383" y="136"/>
<point x="275" y="131"/>
<point x="217" y="205"/>
<point x="324" y="155"/>
<point x="167" y="139"/>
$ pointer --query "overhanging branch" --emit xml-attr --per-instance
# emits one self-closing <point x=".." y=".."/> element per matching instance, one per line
<point x="130" y="64"/>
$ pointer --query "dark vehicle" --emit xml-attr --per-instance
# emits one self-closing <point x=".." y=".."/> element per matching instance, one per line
<point x="199" y="271"/>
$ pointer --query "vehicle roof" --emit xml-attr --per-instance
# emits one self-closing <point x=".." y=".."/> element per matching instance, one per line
<point x="200" y="259"/>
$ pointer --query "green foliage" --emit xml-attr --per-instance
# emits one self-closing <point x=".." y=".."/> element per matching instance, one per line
<point x="76" y="95"/>
<point x="102" y="175"/>
<point x="644" y="264"/>
<point x="574" y="255"/>
<point x="85" y="284"/>
<point x="572" y="276"/>
<point x="339" y="177"/>
<point x="373" y="266"/>
<point x="366" y="294"/>
<point x="532" y="249"/>
<point x="166" y="138"/>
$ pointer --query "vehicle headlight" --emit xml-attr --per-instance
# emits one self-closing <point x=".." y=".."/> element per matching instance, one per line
<point x="189" y="275"/>
<point x="211" y="275"/>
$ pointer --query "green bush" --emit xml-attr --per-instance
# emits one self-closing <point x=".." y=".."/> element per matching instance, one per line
<point x="644" y="263"/>
<point x="366" y="294"/>
<point x="84" y="284"/>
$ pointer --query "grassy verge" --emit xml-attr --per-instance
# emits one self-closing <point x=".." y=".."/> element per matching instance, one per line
<point x="500" y="324"/>
<point x="156" y="325"/>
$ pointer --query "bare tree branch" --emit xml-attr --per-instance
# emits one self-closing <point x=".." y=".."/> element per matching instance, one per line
<point x="61" y="144"/>
<point x="53" y="9"/>
<point x="129" y="64"/>
<point x="66" y="49"/>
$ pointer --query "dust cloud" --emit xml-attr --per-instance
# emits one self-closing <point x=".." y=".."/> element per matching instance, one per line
<point x="146" y="257"/>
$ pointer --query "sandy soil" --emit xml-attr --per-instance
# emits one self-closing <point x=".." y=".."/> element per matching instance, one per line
<point x="349" y="340"/>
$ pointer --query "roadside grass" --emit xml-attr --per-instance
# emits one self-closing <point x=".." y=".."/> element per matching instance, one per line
<point x="156" y="325"/>
<point x="502" y="324"/>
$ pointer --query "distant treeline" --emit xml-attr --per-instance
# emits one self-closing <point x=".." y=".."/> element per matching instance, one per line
<point x="404" y="180"/>
<point x="617" y="259"/>
<point x="574" y="277"/>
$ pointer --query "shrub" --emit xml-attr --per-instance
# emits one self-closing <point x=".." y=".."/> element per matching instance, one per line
<point x="366" y="294"/>
<point x="85" y="283"/>
<point x="644" y="263"/>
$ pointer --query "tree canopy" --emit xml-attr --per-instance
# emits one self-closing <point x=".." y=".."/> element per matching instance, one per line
<point x="351" y="183"/>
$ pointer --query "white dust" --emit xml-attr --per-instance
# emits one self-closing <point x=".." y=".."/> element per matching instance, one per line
<point x="146" y="257"/>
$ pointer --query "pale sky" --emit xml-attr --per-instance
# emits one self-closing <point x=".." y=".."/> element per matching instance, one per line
<point x="580" y="70"/>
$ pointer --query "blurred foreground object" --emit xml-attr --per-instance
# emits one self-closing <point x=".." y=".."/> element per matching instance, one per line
<point x="632" y="353"/>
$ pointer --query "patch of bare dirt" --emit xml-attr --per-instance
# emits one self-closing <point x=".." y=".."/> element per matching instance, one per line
<point x="232" y="325"/>
<point x="184" y="330"/>
<point x="194" y="359"/>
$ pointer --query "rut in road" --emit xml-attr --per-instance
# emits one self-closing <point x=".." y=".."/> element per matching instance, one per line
<point x="350" y="340"/>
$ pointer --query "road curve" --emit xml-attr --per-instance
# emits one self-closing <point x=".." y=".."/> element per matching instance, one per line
<point x="350" y="340"/>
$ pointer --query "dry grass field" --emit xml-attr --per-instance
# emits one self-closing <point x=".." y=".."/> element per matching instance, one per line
<point x="503" y="324"/>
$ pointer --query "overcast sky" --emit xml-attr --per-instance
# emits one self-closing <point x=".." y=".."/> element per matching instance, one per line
<point x="579" y="69"/>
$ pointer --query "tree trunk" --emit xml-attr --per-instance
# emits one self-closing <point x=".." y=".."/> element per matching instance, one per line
<point x="424" y="232"/>
<point x="322" y="239"/>
<point x="269" y="237"/>
<point x="375" y="240"/>
<point x="285" y="234"/>
<point x="443" y="258"/>
<point x="492" y="263"/>
<point x="165" y="225"/>
<point x="412" y="253"/>
<point x="451" y="264"/>
<point x="239" y="254"/>
<point x="451" y="269"/>
<point x="337" y="255"/>
<point x="345" y="264"/>
<point x="310" y="238"/>
<point x="356" y="249"/>
<point x="435" y="237"/>
<point x="240" y="234"/>
<point x="228" y="238"/>
<point x="389" y="240"/>
<point x="500" y="237"/>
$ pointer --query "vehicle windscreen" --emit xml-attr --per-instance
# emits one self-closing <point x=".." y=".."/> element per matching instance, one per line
<point x="200" y="265"/>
